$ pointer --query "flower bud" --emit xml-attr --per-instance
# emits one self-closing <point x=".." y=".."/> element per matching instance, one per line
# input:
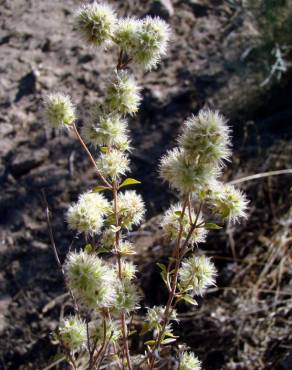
<point x="96" y="23"/>
<point x="90" y="279"/>
<point x="59" y="110"/>
<point x="72" y="333"/>
<point x="113" y="164"/>
<point x="131" y="208"/>
<point x="205" y="138"/>
<point x="197" y="274"/>
<point x="228" y="202"/>
<point x="123" y="94"/>
<point x="189" y="361"/>
<point x="96" y="331"/>
<point x="171" y="225"/>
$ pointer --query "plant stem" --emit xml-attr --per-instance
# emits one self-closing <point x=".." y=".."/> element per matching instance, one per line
<point x="119" y="262"/>
<point x="102" y="178"/>
<point x="178" y="255"/>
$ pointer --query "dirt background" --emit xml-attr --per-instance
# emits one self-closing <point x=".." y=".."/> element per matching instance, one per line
<point x="217" y="59"/>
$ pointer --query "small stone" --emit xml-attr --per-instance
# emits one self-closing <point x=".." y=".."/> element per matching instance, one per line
<point x="162" y="8"/>
<point x="26" y="160"/>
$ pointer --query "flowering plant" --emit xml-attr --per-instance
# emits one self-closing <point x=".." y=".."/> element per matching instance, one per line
<point x="101" y="278"/>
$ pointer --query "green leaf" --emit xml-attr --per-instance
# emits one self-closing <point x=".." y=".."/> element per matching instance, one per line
<point x="128" y="182"/>
<point x="104" y="149"/>
<point x="100" y="188"/>
<point x="169" y="334"/>
<point x="88" y="248"/>
<point x="189" y="299"/>
<point x="115" y="229"/>
<point x="161" y="266"/>
<point x="168" y="340"/>
<point x="210" y="226"/>
<point x="150" y="342"/>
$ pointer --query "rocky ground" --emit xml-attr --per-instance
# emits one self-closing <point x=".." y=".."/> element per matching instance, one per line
<point x="213" y="61"/>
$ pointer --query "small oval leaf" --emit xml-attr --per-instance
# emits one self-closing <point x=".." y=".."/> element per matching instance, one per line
<point x="210" y="226"/>
<point x="128" y="182"/>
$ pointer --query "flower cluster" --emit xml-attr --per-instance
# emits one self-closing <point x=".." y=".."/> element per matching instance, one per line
<point x="145" y="41"/>
<point x="155" y="317"/>
<point x="196" y="274"/>
<point x="60" y="111"/>
<point x="91" y="280"/>
<point x="131" y="208"/>
<point x="189" y="361"/>
<point x="87" y="214"/>
<point x="96" y="23"/>
<point x="72" y="332"/>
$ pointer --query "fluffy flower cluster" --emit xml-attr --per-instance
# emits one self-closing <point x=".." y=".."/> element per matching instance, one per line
<point x="113" y="164"/>
<point x="128" y="271"/>
<point x="106" y="130"/>
<point x="189" y="361"/>
<point x="185" y="175"/>
<point x="205" y="138"/>
<point x="96" y="23"/>
<point x="59" y="110"/>
<point x="127" y="297"/>
<point x="91" y="280"/>
<point x="87" y="215"/>
<point x="197" y="274"/>
<point x="123" y="94"/>
<point x="228" y="202"/>
<point x="145" y="41"/>
<point x="72" y="333"/>
<point x="155" y="316"/>
<point x="172" y="220"/>
<point x="131" y="208"/>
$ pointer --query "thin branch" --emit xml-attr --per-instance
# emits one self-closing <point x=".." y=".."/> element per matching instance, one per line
<point x="102" y="178"/>
<point x="261" y="175"/>
<point x="54" y="248"/>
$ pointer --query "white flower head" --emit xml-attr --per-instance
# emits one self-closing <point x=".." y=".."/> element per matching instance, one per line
<point x="127" y="297"/>
<point x="155" y="316"/>
<point x="113" y="164"/>
<point x="91" y="280"/>
<point x="59" y="110"/>
<point x="123" y="94"/>
<point x="184" y="175"/>
<point x="72" y="332"/>
<point x="128" y="270"/>
<point x="153" y="38"/>
<point x="196" y="274"/>
<point x="228" y="202"/>
<point x="189" y="361"/>
<point x="96" y="23"/>
<point x="87" y="215"/>
<point x="127" y="34"/>
<point x="145" y="41"/>
<point x="206" y="138"/>
<point x="171" y="224"/>
<point x="106" y="130"/>
<point x="131" y="208"/>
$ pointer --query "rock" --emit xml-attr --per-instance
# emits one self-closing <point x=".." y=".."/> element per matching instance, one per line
<point x="162" y="8"/>
<point x="26" y="160"/>
<point x="27" y="85"/>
